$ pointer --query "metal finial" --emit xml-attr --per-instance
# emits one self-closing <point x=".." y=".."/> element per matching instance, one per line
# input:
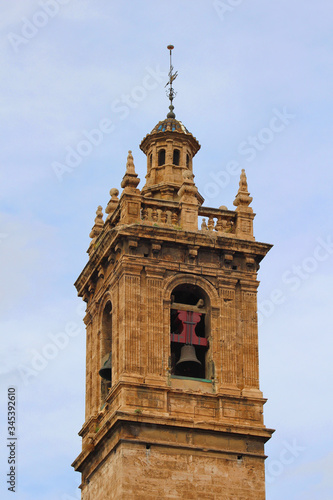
<point x="171" y="93"/>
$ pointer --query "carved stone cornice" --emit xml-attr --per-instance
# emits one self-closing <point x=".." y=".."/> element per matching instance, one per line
<point x="249" y="285"/>
<point x="154" y="271"/>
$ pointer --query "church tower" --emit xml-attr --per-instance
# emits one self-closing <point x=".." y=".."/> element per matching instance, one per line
<point x="173" y="405"/>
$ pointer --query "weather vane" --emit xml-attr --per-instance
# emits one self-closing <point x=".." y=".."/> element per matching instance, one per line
<point x="171" y="93"/>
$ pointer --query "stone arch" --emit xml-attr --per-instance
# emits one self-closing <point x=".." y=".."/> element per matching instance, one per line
<point x="161" y="157"/>
<point x="107" y="297"/>
<point x="185" y="298"/>
<point x="180" y="279"/>
<point x="105" y="320"/>
<point x="176" y="156"/>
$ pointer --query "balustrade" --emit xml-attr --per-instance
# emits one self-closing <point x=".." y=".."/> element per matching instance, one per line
<point x="164" y="213"/>
<point x="220" y="220"/>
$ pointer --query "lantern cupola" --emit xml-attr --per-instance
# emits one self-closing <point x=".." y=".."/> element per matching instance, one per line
<point x="170" y="149"/>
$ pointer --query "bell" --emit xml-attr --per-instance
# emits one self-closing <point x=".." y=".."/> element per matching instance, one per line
<point x="188" y="355"/>
<point x="105" y="371"/>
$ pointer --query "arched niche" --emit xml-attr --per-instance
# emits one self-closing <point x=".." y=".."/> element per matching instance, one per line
<point x="106" y="349"/>
<point x="189" y="331"/>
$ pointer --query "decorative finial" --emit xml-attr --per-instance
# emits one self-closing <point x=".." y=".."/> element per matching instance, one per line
<point x="188" y="191"/>
<point x="113" y="203"/>
<point x="99" y="223"/>
<point x="171" y="93"/>
<point x="130" y="179"/>
<point x="96" y="230"/>
<point x="130" y="169"/>
<point x="243" y="198"/>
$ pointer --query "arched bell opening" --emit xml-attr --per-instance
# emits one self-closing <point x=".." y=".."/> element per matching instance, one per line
<point x="105" y="371"/>
<point x="176" y="157"/>
<point x="161" y="157"/>
<point x="189" y="324"/>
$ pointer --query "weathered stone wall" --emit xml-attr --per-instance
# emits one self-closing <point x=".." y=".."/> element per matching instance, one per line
<point x="140" y="293"/>
<point x="138" y="472"/>
<point x="155" y="434"/>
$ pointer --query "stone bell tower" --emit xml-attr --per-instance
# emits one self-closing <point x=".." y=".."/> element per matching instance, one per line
<point x="173" y="405"/>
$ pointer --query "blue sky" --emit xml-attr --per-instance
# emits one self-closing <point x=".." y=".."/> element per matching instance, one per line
<point x="254" y="87"/>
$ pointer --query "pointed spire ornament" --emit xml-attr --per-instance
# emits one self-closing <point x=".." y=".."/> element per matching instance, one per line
<point x="99" y="223"/>
<point x="130" y="168"/>
<point x="243" y="198"/>
<point x="113" y="203"/>
<point x="189" y="202"/>
<point x="96" y="229"/>
<point x="171" y="93"/>
<point x="130" y="178"/>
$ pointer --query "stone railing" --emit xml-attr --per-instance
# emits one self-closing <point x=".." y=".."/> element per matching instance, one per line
<point x="160" y="212"/>
<point x="168" y="213"/>
<point x="220" y="220"/>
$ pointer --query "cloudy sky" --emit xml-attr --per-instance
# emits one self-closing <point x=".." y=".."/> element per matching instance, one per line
<point x="255" y="88"/>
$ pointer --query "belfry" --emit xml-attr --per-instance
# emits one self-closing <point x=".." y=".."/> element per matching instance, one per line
<point x="173" y="405"/>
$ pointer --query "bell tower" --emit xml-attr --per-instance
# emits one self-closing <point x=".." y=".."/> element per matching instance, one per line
<point x="173" y="405"/>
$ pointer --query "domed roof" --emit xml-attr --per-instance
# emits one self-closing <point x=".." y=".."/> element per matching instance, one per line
<point x="165" y="127"/>
<point x="170" y="124"/>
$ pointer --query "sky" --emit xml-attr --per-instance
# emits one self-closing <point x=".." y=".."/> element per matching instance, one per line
<point x="82" y="82"/>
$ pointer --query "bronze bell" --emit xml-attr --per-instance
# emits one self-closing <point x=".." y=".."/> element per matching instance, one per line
<point x="105" y="372"/>
<point x="188" y="355"/>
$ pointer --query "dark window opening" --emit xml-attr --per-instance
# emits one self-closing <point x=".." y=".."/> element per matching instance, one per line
<point x="188" y="321"/>
<point x="188" y="161"/>
<point x="106" y="351"/>
<point x="151" y="160"/>
<point x="161" y="157"/>
<point x="176" y="157"/>
<point x="187" y="294"/>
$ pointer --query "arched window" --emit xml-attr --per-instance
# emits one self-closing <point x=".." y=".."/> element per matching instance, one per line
<point x="176" y="157"/>
<point x="151" y="160"/>
<point x="161" y="157"/>
<point x="106" y="350"/>
<point x="188" y="160"/>
<point x="189" y="328"/>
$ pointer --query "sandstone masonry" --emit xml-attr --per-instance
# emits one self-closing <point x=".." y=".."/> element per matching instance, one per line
<point x="164" y="272"/>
